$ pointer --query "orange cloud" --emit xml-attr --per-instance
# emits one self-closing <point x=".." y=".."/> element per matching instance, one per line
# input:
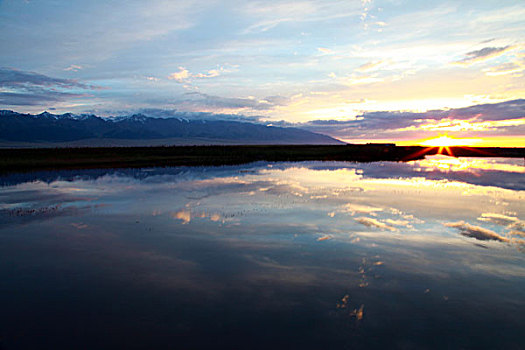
<point x="476" y="232"/>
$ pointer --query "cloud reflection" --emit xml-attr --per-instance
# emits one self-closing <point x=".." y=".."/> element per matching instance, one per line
<point x="361" y="209"/>
<point x="325" y="238"/>
<point x="184" y="215"/>
<point x="476" y="232"/>
<point x="271" y="206"/>
<point x="510" y="222"/>
<point x="374" y="223"/>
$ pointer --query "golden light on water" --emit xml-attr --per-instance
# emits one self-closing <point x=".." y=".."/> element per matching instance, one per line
<point x="447" y="163"/>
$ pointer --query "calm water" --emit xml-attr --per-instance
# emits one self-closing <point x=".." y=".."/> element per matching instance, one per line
<point x="426" y="254"/>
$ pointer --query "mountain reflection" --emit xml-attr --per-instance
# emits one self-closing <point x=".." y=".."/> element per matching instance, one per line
<point x="500" y="172"/>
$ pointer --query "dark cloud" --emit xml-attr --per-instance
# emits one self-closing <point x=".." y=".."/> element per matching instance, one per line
<point x="388" y="123"/>
<point x="277" y="100"/>
<point x="366" y="125"/>
<point x="14" y="78"/>
<point x="490" y="111"/>
<point x="35" y="99"/>
<point x="202" y="99"/>
<point x="483" y="54"/>
<point x="32" y="89"/>
<point x="476" y="232"/>
<point x="487" y="41"/>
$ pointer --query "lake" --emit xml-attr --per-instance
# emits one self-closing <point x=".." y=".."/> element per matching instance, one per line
<point x="336" y="255"/>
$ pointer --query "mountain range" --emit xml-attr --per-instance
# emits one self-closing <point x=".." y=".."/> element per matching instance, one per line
<point x="139" y="129"/>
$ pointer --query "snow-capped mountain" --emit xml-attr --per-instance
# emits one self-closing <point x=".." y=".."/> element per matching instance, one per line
<point x="48" y="127"/>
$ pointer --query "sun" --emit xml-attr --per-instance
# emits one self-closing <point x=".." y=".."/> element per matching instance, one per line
<point x="448" y="141"/>
<point x="444" y="143"/>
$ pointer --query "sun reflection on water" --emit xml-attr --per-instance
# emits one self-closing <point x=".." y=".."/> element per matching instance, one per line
<point x="452" y="164"/>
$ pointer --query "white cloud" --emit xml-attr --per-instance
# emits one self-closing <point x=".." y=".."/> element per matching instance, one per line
<point x="361" y="208"/>
<point x="515" y="67"/>
<point x="325" y="50"/>
<point x="499" y="219"/>
<point x="210" y="74"/>
<point x="268" y="15"/>
<point x="183" y="75"/>
<point x="180" y="76"/>
<point x="372" y="65"/>
<point x="74" y="68"/>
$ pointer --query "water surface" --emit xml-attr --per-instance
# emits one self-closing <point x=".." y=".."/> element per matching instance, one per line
<point x="425" y="254"/>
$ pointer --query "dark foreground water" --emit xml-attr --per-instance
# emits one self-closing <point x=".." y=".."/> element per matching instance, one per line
<point x="312" y="255"/>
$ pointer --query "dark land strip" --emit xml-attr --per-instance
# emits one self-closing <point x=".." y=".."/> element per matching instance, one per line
<point x="15" y="160"/>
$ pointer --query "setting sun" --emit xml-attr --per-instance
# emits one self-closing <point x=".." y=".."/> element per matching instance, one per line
<point x="446" y="141"/>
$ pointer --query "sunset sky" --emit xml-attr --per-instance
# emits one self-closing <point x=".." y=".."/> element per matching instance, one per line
<point x="401" y="71"/>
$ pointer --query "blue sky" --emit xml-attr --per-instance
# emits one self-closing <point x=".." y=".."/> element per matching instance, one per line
<point x="296" y="61"/>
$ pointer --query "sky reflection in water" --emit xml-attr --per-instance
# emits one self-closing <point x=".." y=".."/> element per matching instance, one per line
<point x="405" y="255"/>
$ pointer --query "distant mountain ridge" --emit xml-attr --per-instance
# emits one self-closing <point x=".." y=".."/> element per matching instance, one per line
<point x="68" y="127"/>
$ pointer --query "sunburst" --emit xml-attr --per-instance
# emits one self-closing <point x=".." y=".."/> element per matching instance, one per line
<point x="443" y="143"/>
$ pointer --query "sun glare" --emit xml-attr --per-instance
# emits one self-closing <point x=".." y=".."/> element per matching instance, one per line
<point x="447" y="141"/>
<point x="444" y="144"/>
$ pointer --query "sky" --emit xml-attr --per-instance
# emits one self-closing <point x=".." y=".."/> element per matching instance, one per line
<point x="360" y="71"/>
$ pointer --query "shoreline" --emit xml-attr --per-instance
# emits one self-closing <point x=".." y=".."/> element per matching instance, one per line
<point x="31" y="159"/>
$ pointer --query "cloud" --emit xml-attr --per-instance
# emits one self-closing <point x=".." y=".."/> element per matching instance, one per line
<point x="79" y="26"/>
<point x="21" y="88"/>
<point x="325" y="50"/>
<point x="14" y="78"/>
<point x="180" y="76"/>
<point x="173" y="113"/>
<point x="361" y="80"/>
<point x="79" y="225"/>
<point x="184" y="75"/>
<point x="276" y="100"/>
<point x="517" y="233"/>
<point x="271" y="15"/>
<point x="183" y="215"/>
<point x="361" y="208"/>
<point x="404" y="223"/>
<point x="35" y="98"/>
<point x="374" y="223"/>
<point x="483" y="54"/>
<point x="369" y="66"/>
<point x="499" y="219"/>
<point x="325" y="238"/>
<point x="476" y="232"/>
<point x="498" y="118"/>
<point x="506" y="68"/>
<point x="510" y="222"/>
<point x="212" y="73"/>
<point x="358" y="313"/>
<point x="202" y="99"/>
<point x="366" y="9"/>
<point x="73" y="68"/>
<point x="268" y="15"/>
